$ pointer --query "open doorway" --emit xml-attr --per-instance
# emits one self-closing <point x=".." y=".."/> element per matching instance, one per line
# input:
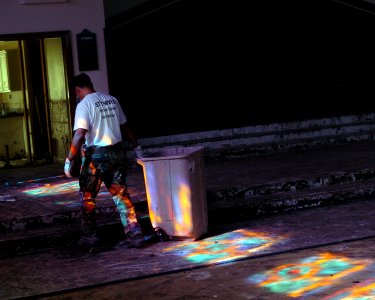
<point x="36" y="101"/>
<point x="36" y="104"/>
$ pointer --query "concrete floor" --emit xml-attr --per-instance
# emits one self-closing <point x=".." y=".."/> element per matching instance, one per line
<point x="339" y="271"/>
<point x="220" y="265"/>
<point x="231" y="263"/>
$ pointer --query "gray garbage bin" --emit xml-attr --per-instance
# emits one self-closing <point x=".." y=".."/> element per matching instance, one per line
<point x="176" y="191"/>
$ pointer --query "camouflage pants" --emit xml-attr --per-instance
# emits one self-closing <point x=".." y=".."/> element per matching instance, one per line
<point x="108" y="166"/>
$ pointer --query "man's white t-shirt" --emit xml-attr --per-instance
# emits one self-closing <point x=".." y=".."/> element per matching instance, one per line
<point x="101" y="115"/>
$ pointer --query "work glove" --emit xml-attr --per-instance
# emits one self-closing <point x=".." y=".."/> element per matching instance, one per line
<point x="68" y="167"/>
<point x="138" y="151"/>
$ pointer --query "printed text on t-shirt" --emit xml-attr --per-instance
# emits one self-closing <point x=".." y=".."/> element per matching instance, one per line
<point x="105" y="102"/>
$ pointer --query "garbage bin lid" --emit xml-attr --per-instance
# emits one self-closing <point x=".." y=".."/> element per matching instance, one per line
<point x="173" y="153"/>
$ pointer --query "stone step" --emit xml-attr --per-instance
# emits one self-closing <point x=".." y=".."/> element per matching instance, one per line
<point x="234" y="210"/>
<point x="289" y="185"/>
<point x="271" y="138"/>
<point x="227" y="197"/>
<point x="23" y="242"/>
<point x="42" y="236"/>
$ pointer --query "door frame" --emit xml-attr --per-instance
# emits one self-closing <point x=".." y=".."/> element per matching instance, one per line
<point x="68" y="65"/>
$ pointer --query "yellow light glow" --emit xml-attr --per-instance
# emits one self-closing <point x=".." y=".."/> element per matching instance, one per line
<point x="183" y="224"/>
<point x="107" y="140"/>
<point x="81" y="123"/>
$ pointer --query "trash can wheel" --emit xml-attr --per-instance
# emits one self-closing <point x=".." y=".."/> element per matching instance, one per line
<point x="161" y="234"/>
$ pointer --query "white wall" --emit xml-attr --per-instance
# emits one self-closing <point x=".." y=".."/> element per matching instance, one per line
<point x="71" y="15"/>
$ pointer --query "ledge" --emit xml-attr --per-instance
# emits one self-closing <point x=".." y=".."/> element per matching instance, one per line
<point x="24" y="2"/>
<point x="12" y="115"/>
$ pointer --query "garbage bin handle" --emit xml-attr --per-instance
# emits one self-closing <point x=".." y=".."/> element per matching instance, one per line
<point x="139" y="161"/>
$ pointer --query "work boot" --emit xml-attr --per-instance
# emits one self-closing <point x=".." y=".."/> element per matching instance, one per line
<point x="88" y="240"/>
<point x="132" y="240"/>
<point x="89" y="236"/>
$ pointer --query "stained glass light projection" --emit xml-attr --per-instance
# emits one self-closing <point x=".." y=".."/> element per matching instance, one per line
<point x="225" y="247"/>
<point x="53" y="189"/>
<point x="309" y="276"/>
<point x="61" y="192"/>
<point x="362" y="291"/>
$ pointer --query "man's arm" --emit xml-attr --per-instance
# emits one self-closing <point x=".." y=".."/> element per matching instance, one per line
<point x="77" y="142"/>
<point x="129" y="135"/>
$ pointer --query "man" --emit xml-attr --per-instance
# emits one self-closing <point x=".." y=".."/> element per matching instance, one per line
<point x="99" y="129"/>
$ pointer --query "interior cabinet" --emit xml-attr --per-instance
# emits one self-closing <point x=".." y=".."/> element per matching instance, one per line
<point x="4" y="72"/>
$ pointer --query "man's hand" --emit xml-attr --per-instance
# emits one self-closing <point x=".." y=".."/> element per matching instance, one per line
<point x="68" y="167"/>
<point x="138" y="151"/>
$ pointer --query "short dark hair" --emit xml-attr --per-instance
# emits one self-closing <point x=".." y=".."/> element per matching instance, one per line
<point x="82" y="80"/>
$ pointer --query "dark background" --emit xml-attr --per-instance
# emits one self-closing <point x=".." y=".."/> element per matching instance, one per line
<point x="205" y="65"/>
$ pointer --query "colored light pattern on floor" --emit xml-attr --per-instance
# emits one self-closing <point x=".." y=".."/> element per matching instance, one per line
<point x="53" y="189"/>
<point x="64" y="188"/>
<point x="69" y="203"/>
<point x="57" y="188"/>
<point x="362" y="291"/>
<point x="225" y="247"/>
<point x="40" y="179"/>
<point x="310" y="276"/>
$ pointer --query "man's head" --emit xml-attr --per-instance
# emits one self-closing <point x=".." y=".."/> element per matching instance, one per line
<point x="83" y="85"/>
